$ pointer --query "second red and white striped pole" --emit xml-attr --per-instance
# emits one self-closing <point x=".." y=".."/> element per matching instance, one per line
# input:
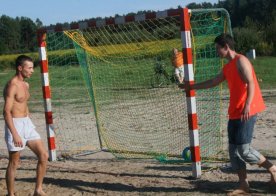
<point x="47" y="95"/>
<point x="190" y="95"/>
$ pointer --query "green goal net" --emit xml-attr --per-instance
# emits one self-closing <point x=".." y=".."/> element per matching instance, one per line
<point x="113" y="87"/>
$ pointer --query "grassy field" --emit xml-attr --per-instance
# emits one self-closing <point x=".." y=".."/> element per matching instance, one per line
<point x="133" y="74"/>
<point x="265" y="68"/>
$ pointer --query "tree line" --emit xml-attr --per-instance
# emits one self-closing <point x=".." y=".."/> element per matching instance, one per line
<point x="18" y="35"/>
<point x="253" y="24"/>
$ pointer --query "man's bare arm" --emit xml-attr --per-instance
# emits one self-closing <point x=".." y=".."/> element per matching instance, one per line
<point x="9" y="101"/>
<point x="206" y="84"/>
<point x="28" y="111"/>
<point x="245" y="70"/>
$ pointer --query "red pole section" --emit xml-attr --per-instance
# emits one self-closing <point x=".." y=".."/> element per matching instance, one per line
<point x="190" y="95"/>
<point x="41" y="35"/>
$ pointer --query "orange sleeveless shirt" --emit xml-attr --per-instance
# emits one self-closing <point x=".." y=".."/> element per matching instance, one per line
<point x="177" y="60"/>
<point x="238" y="91"/>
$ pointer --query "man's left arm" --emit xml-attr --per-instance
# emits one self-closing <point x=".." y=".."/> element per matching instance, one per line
<point x="28" y="111"/>
<point x="245" y="69"/>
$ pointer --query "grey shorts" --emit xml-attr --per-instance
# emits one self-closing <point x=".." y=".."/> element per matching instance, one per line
<point x="25" y="129"/>
<point x="240" y="135"/>
<point x="241" y="132"/>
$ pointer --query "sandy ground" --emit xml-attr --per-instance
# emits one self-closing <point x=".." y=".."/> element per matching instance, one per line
<point x="102" y="174"/>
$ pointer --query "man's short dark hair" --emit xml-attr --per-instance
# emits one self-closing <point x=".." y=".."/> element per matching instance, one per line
<point x="21" y="59"/>
<point x="224" y="39"/>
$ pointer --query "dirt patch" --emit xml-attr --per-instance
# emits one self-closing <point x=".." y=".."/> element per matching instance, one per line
<point x="102" y="174"/>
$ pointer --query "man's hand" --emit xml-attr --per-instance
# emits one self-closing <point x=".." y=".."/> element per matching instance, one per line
<point x="185" y="85"/>
<point x="17" y="141"/>
<point x="245" y="113"/>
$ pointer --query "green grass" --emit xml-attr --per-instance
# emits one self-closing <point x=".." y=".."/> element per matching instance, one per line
<point x="124" y="79"/>
<point x="265" y="68"/>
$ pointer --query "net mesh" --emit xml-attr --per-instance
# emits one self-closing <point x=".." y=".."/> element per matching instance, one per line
<point x="113" y="87"/>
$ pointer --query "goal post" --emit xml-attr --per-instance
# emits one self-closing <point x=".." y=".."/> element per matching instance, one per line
<point x="102" y="97"/>
<point x="46" y="95"/>
<point x="190" y="95"/>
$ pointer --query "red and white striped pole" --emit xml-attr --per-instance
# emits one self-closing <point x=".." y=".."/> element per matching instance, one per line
<point x="190" y="95"/>
<point x="46" y="94"/>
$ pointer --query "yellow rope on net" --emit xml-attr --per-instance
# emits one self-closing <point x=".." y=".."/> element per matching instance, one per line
<point x="78" y="38"/>
<point x="123" y="48"/>
<point x="119" y="51"/>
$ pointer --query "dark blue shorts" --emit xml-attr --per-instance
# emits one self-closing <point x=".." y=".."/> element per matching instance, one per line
<point x="241" y="132"/>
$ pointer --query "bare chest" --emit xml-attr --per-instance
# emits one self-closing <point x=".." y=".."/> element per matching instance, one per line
<point x="22" y="94"/>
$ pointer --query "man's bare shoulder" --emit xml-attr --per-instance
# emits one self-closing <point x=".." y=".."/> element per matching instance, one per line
<point x="11" y="86"/>
<point x="243" y="61"/>
<point x="244" y="68"/>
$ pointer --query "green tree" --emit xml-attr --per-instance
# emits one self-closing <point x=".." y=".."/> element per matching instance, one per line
<point x="38" y="23"/>
<point x="203" y="5"/>
<point x="9" y="35"/>
<point x="258" y="10"/>
<point x="28" y="34"/>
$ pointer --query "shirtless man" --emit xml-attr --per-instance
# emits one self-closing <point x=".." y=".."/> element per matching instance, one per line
<point x="19" y="129"/>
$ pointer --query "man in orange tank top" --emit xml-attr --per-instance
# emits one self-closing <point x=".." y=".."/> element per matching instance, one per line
<point x="177" y="62"/>
<point x="245" y="103"/>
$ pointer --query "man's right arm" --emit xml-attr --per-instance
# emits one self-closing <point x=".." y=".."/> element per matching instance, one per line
<point x="203" y="85"/>
<point x="9" y="101"/>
